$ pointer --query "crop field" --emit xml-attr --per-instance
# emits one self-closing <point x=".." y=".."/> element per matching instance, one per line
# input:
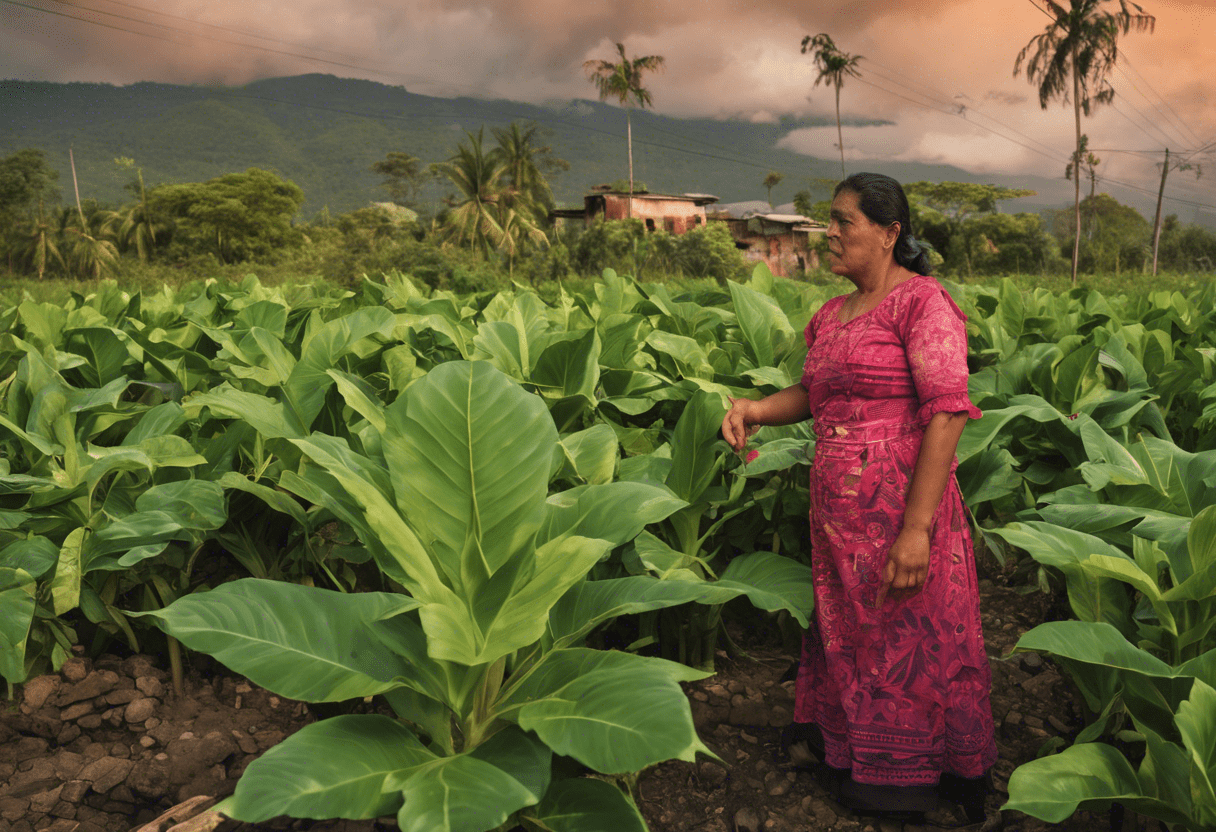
<point x="480" y="493"/>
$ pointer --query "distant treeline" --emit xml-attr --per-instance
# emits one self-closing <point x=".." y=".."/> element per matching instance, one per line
<point x="494" y="224"/>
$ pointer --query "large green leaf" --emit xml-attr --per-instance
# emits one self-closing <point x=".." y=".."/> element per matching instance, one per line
<point x="1092" y="598"/>
<point x="615" y="511"/>
<point x="569" y="368"/>
<point x="17" y="604"/>
<point x="763" y="323"/>
<point x="510" y="623"/>
<point x="272" y="419"/>
<point x="1091" y="775"/>
<point x="469" y="454"/>
<point x="333" y="768"/>
<point x="1197" y="725"/>
<point x="500" y="343"/>
<point x="104" y="351"/>
<point x="35" y="555"/>
<point x="305" y="389"/>
<point x="1093" y="643"/>
<point x="980" y="433"/>
<point x="1201" y="540"/>
<point x="615" y="712"/>
<point x="268" y="631"/>
<point x="772" y="582"/>
<point x="475" y="791"/>
<point x="590" y="603"/>
<point x="587" y="805"/>
<point x="694" y="457"/>
<point x="591" y="455"/>
<point x="195" y="504"/>
<point x="65" y="586"/>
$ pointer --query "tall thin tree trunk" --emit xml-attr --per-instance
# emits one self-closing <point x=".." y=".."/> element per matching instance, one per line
<point x="1076" y="166"/>
<point x="839" y="133"/>
<point x="79" y="210"/>
<point x="629" y="144"/>
<point x="1165" y="169"/>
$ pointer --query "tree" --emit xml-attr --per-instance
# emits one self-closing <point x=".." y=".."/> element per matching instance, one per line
<point x="833" y="66"/>
<point x="623" y="81"/>
<point x="956" y="202"/>
<point x="238" y="216"/>
<point x="27" y="184"/>
<point x="41" y="245"/>
<point x="526" y="163"/>
<point x="772" y="180"/>
<point x="1077" y="51"/>
<point x="403" y="174"/>
<point x="137" y="226"/>
<point x="1122" y="236"/>
<point x="485" y="213"/>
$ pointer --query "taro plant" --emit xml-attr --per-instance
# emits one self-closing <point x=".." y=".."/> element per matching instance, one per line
<point x="497" y="708"/>
<point x="1143" y="653"/>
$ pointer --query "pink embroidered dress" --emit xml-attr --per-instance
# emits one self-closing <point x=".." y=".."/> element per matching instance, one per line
<point x="900" y="693"/>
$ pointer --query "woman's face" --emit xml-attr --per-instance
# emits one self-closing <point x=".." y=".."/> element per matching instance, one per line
<point x="856" y="244"/>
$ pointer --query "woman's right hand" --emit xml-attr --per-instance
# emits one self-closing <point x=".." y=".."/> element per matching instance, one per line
<point x="740" y="423"/>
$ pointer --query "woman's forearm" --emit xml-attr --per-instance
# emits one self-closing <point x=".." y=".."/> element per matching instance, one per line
<point x="784" y="407"/>
<point x="932" y="470"/>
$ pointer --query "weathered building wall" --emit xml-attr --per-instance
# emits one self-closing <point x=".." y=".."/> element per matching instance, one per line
<point x="784" y="246"/>
<point x="675" y="215"/>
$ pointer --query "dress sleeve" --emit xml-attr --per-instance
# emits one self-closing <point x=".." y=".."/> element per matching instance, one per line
<point x="936" y="342"/>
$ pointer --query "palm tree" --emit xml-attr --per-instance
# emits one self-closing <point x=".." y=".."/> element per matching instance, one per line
<point x="86" y="241"/>
<point x="833" y="66"/>
<point x="1078" y="50"/>
<point x="623" y="82"/>
<point x="41" y="246"/>
<point x="526" y="162"/>
<point x="488" y="213"/>
<point x="139" y="227"/>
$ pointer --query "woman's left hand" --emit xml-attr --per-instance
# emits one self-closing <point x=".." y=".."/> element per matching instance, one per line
<point x="907" y="566"/>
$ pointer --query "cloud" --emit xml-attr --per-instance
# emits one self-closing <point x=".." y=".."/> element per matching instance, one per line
<point x="923" y="60"/>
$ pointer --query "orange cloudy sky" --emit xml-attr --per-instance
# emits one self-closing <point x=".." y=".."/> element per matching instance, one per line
<point x="940" y="71"/>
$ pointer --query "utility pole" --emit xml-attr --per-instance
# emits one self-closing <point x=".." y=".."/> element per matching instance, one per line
<point x="1165" y="169"/>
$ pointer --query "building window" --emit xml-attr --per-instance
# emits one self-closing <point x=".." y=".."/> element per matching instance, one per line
<point x="649" y="224"/>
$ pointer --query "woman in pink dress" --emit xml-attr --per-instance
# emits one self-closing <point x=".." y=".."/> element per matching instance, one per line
<point x="893" y="687"/>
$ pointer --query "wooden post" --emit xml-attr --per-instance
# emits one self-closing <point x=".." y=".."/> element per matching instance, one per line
<point x="1165" y="169"/>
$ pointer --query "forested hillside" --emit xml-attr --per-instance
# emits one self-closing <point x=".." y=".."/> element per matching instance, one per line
<point x="323" y="133"/>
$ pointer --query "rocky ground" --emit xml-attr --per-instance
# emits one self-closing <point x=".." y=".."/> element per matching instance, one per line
<point x="106" y="746"/>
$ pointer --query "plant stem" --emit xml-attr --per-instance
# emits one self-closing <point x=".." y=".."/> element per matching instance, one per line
<point x="175" y="665"/>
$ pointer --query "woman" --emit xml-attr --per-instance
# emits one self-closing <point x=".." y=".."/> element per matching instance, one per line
<point x="894" y="681"/>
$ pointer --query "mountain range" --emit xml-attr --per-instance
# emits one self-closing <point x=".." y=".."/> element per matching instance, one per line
<point x="324" y="133"/>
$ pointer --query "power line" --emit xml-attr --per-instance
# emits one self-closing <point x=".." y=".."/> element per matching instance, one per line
<point x="1133" y="123"/>
<point x="179" y="31"/>
<point x="951" y="111"/>
<point x="1164" y="118"/>
<point x="217" y="27"/>
<point x="1194" y="136"/>
<point x="1108" y="180"/>
<point x="1048" y="155"/>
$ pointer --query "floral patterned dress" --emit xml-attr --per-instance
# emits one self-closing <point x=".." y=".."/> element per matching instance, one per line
<point x="900" y="693"/>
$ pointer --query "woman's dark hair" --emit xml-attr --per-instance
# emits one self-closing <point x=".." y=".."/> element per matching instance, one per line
<point x="883" y="201"/>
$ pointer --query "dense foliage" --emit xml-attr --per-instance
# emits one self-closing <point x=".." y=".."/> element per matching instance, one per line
<point x="155" y="444"/>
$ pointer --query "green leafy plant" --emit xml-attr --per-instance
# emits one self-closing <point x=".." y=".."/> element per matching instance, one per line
<point x="480" y="658"/>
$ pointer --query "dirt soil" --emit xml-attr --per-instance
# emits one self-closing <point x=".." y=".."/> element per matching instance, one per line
<point x="106" y="746"/>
